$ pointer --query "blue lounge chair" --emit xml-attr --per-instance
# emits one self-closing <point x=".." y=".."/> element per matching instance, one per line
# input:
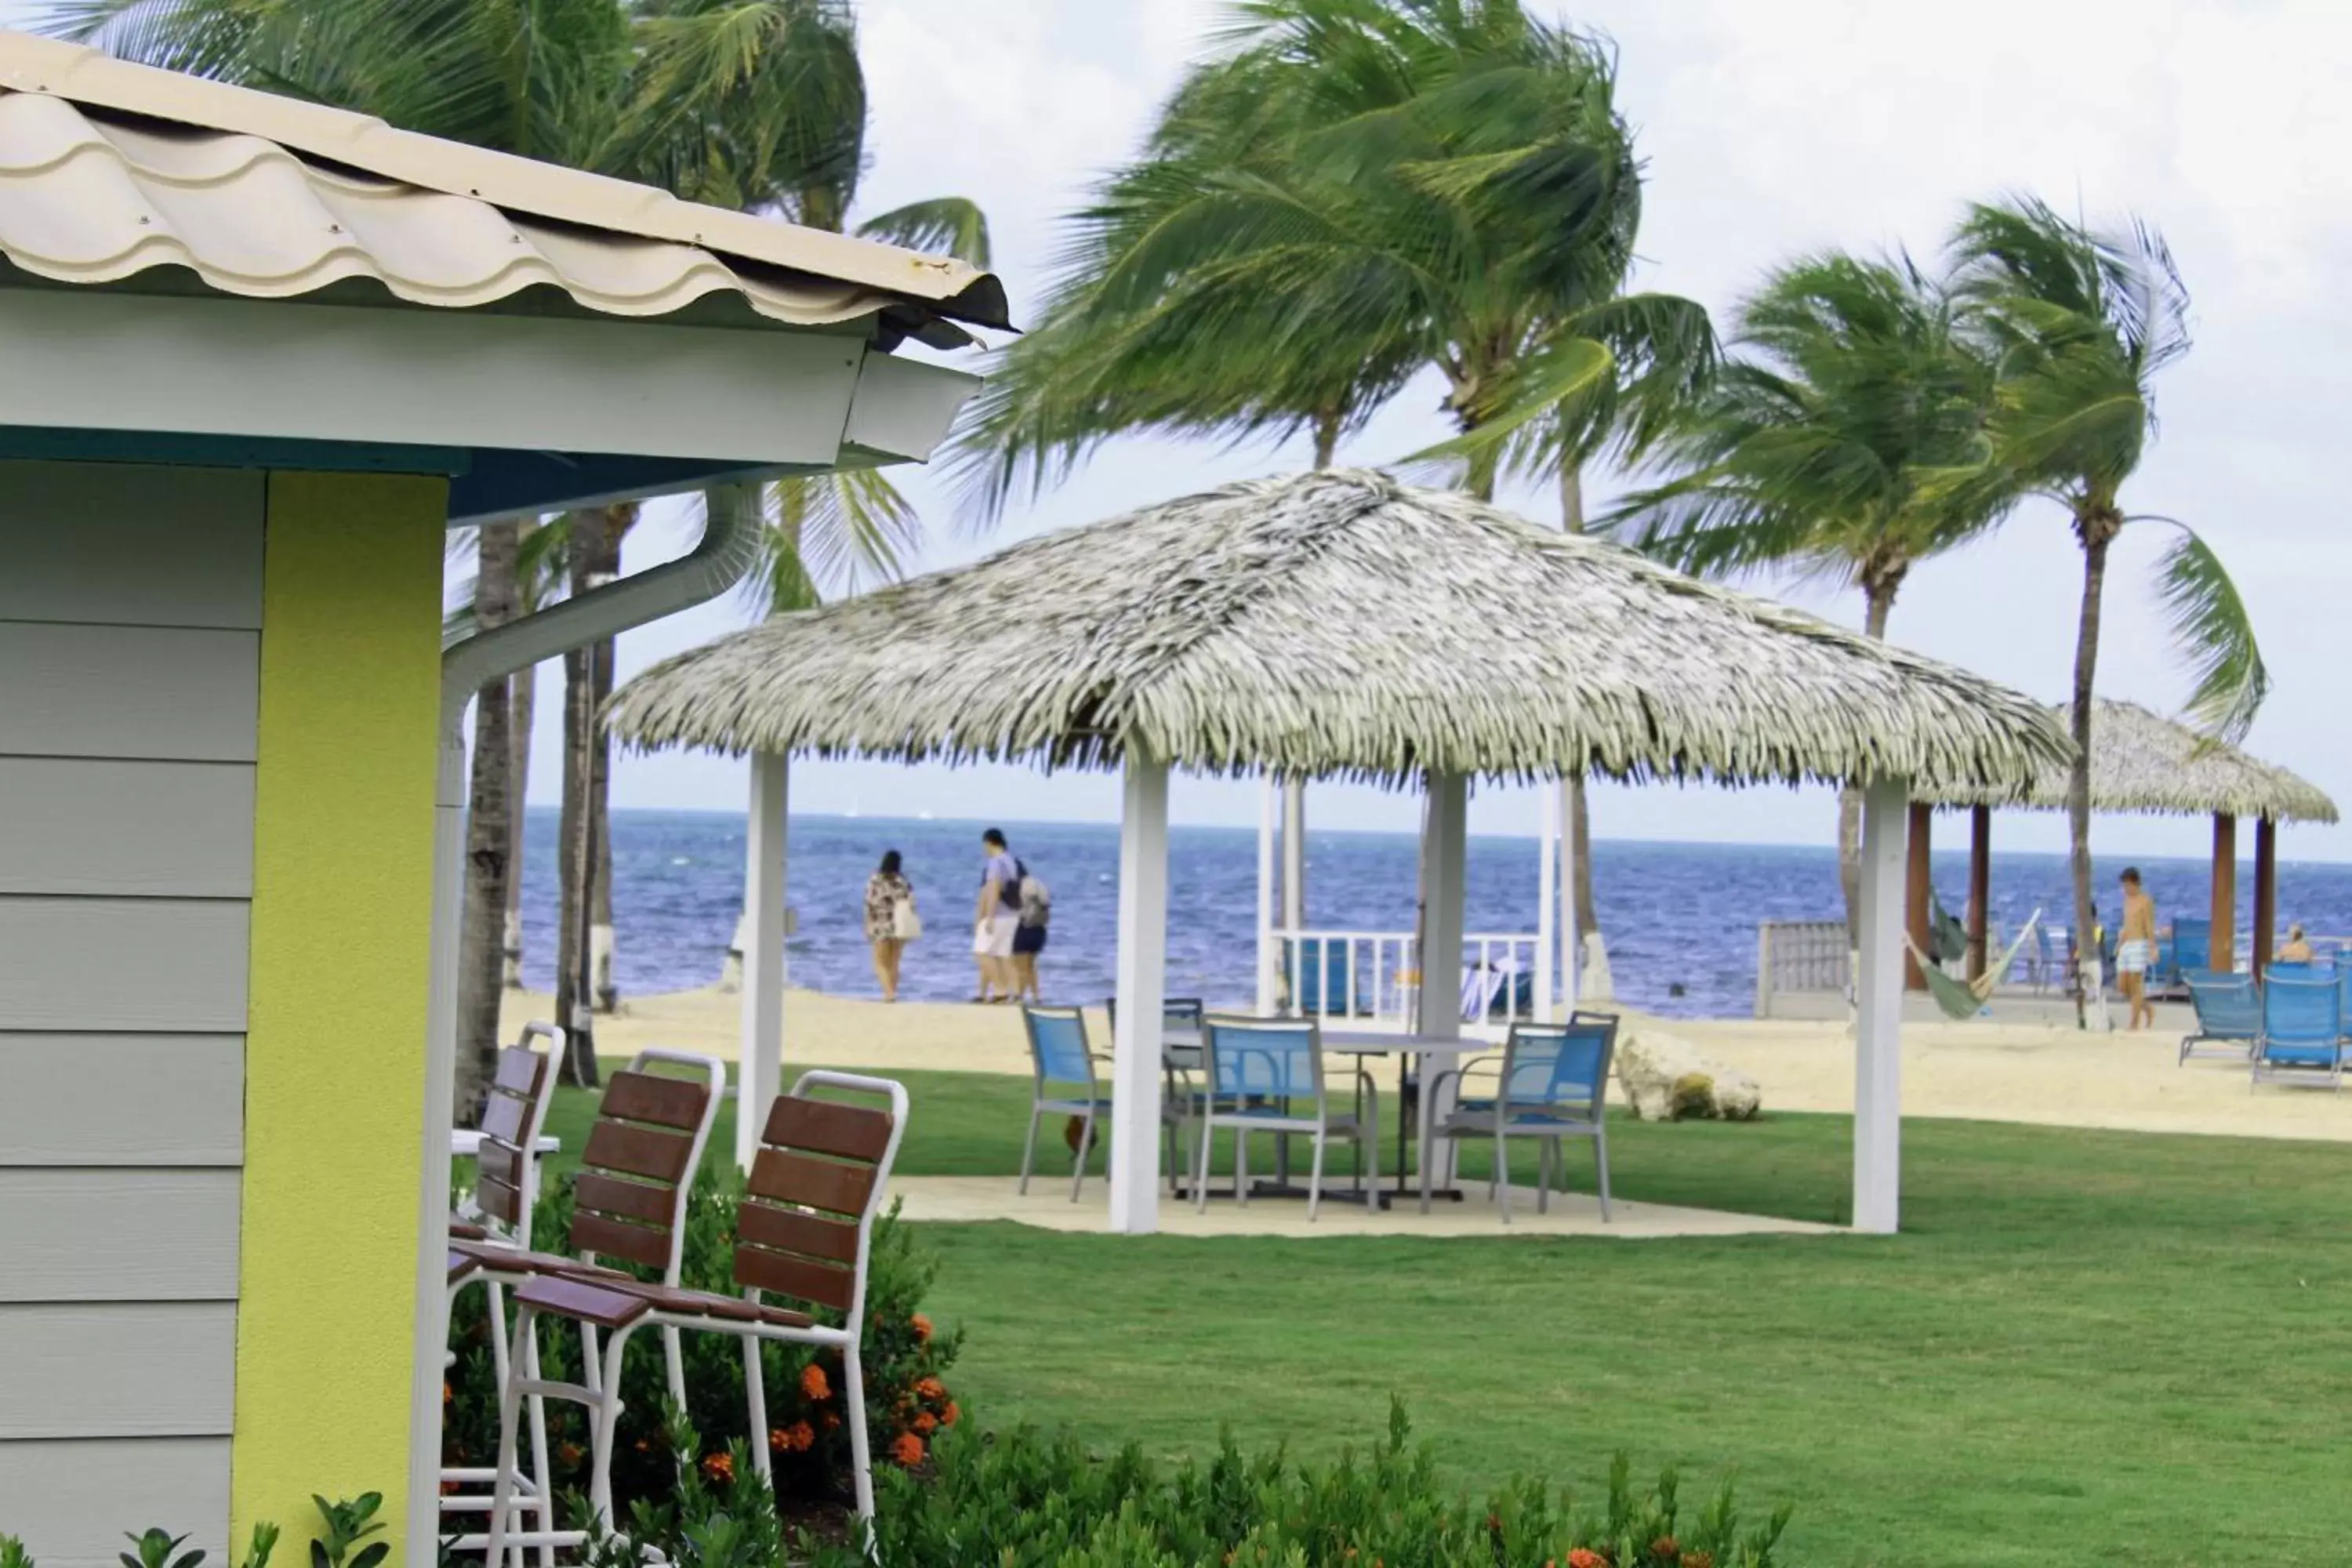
<point x="1551" y="1084"/>
<point x="2229" y="1014"/>
<point x="2303" y="1031"/>
<point x="2192" y="946"/>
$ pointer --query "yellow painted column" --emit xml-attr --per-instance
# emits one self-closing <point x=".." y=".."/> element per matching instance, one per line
<point x="342" y="883"/>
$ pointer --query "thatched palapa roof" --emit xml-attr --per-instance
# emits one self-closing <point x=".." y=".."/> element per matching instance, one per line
<point x="1340" y="623"/>
<point x="2143" y="761"/>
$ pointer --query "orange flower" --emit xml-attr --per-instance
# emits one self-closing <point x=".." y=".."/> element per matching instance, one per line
<point x="796" y="1438"/>
<point x="926" y="1423"/>
<point x="1698" y="1560"/>
<point x="570" y="1454"/>
<point x="922" y="1327"/>
<point x="448" y="1394"/>
<point x="831" y="1420"/>
<point x="449" y="1488"/>
<point x="1666" y="1549"/>
<point x="1585" y="1557"/>
<point x="948" y="1416"/>
<point x="813" y="1384"/>
<point x="908" y="1450"/>
<point x="931" y="1390"/>
<point x="718" y="1469"/>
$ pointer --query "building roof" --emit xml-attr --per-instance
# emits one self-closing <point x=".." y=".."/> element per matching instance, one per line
<point x="1341" y="624"/>
<point x="2142" y="761"/>
<point x="109" y="170"/>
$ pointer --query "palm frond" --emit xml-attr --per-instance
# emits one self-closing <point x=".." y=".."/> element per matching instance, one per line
<point x="2210" y="624"/>
<point x="947" y="226"/>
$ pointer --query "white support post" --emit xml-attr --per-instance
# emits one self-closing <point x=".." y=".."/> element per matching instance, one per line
<point x="1445" y="842"/>
<point x="758" y="1072"/>
<point x="1294" y="854"/>
<point x="1547" y="904"/>
<point x="1878" y="1009"/>
<point x="1570" y="981"/>
<point x="1142" y="992"/>
<point x="1269" y="803"/>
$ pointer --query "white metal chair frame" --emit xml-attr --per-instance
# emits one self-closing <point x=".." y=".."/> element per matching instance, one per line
<point x="1230" y="1106"/>
<point x="520" y="1110"/>
<point x="513" y="1490"/>
<point x="1497" y="1119"/>
<point x="627" y="1306"/>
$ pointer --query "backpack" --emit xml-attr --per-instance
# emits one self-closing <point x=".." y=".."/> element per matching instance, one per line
<point x="1036" y="900"/>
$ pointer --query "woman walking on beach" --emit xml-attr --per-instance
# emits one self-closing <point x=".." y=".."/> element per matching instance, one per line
<point x="890" y="921"/>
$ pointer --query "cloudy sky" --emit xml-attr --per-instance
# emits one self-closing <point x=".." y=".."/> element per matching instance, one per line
<point x="1769" y="129"/>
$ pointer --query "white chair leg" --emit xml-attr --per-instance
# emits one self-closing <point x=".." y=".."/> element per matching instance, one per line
<point x="1424" y="1170"/>
<point x="542" y="1482"/>
<point x="1240" y="1167"/>
<point x="755" y="1399"/>
<point x="1314" y="1178"/>
<point x="1201" y="1168"/>
<point x="1501" y="1186"/>
<point x="1029" y="1150"/>
<point x="674" y="1353"/>
<point x="1600" y="1162"/>
<point x="510" y="1418"/>
<point x="853" y="1394"/>
<point x="604" y="1430"/>
<point x="1085" y="1146"/>
<point x="1547" y="1159"/>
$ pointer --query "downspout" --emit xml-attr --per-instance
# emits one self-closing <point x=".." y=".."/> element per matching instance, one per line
<point x="730" y="544"/>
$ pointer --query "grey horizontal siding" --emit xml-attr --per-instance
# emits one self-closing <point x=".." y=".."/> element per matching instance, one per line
<point x="82" y="825"/>
<point x="130" y="546"/>
<point x="124" y="1369"/>
<point x="128" y="691"/>
<point x="118" y="1236"/>
<point x="71" y="1502"/>
<point x="168" y="964"/>
<point x="123" y="1100"/>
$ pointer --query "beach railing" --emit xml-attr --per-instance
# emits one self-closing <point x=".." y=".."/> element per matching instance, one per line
<point x="1811" y="956"/>
<point x="1376" y="975"/>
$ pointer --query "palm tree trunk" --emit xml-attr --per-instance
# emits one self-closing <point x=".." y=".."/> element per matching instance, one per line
<point x="1594" y="984"/>
<point x="1878" y="599"/>
<point x="575" y="872"/>
<point x="604" y="995"/>
<point x="2096" y="539"/>
<point x="490" y="837"/>
<point x="522" y="688"/>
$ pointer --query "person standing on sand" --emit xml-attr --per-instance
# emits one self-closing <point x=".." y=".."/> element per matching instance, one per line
<point x="998" y="918"/>
<point x="890" y="921"/>
<point x="2136" y="949"/>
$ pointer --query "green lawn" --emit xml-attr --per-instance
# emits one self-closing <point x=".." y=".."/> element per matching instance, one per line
<point x="2085" y="1348"/>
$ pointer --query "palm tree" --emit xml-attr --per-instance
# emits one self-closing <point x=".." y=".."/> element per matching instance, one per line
<point x="1822" y="443"/>
<point x="2081" y="322"/>
<point x="1356" y="191"/>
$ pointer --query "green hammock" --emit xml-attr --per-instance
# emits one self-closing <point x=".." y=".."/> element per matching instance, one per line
<point x="1964" y="999"/>
<point x="1945" y="935"/>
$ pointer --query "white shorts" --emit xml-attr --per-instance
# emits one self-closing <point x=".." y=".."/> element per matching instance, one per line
<point x="2133" y="957"/>
<point x="993" y="938"/>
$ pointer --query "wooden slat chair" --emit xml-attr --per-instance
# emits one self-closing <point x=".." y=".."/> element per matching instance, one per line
<point x="496" y="1214"/>
<point x="637" y="1173"/>
<point x="804" y="1233"/>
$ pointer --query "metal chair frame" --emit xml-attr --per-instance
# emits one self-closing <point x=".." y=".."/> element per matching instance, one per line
<point x="1247" y="1109"/>
<point x="2293" y="1053"/>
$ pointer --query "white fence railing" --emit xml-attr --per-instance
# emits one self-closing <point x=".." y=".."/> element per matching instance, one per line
<point x="1376" y="975"/>
<point x="1801" y="955"/>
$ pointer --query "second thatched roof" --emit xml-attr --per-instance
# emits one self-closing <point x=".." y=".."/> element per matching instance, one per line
<point x="2143" y="761"/>
<point x="1341" y="624"/>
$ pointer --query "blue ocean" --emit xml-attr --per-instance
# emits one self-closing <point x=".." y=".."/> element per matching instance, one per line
<point x="1681" y="918"/>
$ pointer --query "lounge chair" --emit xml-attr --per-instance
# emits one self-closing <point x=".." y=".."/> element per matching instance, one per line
<point x="1551" y="1084"/>
<point x="2303" y="1031"/>
<point x="804" y="1232"/>
<point x="1260" y="1072"/>
<point x="2229" y="1014"/>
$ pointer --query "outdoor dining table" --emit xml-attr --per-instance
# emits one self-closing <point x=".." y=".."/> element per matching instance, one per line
<point x="1444" y="1050"/>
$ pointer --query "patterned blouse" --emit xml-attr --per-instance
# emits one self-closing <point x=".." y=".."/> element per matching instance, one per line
<point x="883" y="891"/>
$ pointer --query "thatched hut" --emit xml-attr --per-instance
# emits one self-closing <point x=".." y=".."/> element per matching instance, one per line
<point x="2144" y="763"/>
<point x="1344" y="624"/>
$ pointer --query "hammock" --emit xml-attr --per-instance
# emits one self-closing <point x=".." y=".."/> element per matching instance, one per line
<point x="1964" y="999"/>
<point x="1948" y="936"/>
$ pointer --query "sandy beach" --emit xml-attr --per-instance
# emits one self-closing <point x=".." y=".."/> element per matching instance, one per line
<point x="1980" y="1070"/>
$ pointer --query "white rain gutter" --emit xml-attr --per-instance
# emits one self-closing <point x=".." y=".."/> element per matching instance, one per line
<point x="731" y="542"/>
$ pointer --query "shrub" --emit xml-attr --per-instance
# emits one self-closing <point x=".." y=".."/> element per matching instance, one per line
<point x="905" y="1361"/>
<point x="1024" y="1500"/>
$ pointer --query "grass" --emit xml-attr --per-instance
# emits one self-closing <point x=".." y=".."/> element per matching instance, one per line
<point x="2085" y="1347"/>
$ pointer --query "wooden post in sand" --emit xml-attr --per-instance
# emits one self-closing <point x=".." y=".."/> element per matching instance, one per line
<point x="1979" y="886"/>
<point x="2265" y="891"/>
<point x="1918" y="896"/>
<point x="2225" y="892"/>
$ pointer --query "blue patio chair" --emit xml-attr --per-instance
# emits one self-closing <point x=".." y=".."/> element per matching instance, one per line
<point x="2229" y="1014"/>
<point x="1062" y="1062"/>
<point x="1265" y="1075"/>
<point x="2303" y="1031"/>
<point x="1317" y="971"/>
<point x="1551" y="1084"/>
<point x="2192" y="946"/>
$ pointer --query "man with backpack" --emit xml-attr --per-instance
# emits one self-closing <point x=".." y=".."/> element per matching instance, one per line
<point x="998" y="919"/>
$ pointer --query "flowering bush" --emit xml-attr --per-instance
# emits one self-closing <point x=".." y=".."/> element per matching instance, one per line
<point x="905" y="1360"/>
<point x="1024" y="1501"/>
